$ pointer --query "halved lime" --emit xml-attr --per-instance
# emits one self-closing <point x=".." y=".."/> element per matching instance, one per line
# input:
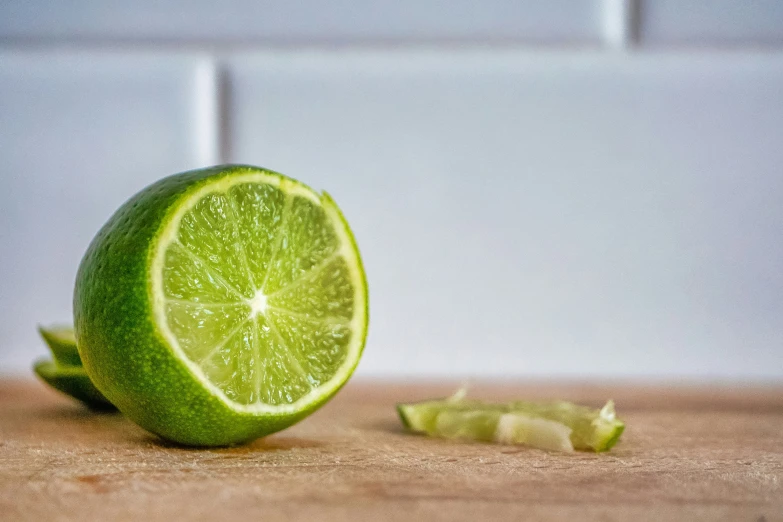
<point x="560" y="426"/>
<point x="222" y="304"/>
<point x="62" y="343"/>
<point x="72" y="381"/>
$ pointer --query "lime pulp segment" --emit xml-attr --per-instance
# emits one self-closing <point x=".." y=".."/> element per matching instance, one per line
<point x="258" y="287"/>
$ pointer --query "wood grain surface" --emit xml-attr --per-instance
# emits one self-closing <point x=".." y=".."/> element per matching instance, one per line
<point x="689" y="453"/>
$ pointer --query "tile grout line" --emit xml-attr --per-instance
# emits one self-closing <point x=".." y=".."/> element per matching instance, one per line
<point x="207" y="113"/>
<point x="223" y="99"/>
<point x="620" y="23"/>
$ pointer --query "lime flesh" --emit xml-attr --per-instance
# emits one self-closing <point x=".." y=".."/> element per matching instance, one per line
<point x="560" y="426"/>
<point x="220" y="305"/>
<point x="259" y="292"/>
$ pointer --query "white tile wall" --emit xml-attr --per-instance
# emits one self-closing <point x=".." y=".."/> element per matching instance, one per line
<point x="711" y="22"/>
<point x="543" y="213"/>
<point x="559" y="21"/>
<point x="79" y="134"/>
<point x="556" y="208"/>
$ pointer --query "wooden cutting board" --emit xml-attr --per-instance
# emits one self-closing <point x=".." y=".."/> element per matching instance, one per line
<point x="689" y="453"/>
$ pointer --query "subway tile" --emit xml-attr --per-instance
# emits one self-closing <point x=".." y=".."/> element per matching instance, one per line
<point x="79" y="134"/>
<point x="711" y="22"/>
<point x="558" y="21"/>
<point x="542" y="213"/>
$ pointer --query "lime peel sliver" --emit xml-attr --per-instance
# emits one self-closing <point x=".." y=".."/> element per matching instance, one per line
<point x="558" y="426"/>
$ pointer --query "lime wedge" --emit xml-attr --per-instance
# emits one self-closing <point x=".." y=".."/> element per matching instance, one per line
<point x="72" y="381"/>
<point x="222" y="304"/>
<point x="65" y="373"/>
<point x="62" y="343"/>
<point x="560" y="426"/>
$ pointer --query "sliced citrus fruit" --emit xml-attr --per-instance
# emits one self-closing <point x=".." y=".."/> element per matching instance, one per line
<point x="72" y="381"/>
<point x="222" y="304"/>
<point x="560" y="426"/>
<point x="62" y="343"/>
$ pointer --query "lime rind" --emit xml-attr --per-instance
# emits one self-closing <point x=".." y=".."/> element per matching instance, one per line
<point x="560" y="426"/>
<point x="72" y="381"/>
<point x="65" y="372"/>
<point x="404" y="414"/>
<point x="62" y="343"/>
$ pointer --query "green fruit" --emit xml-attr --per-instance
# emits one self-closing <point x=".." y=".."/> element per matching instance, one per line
<point x="560" y="426"/>
<point x="72" y="381"/>
<point x="62" y="343"/>
<point x="221" y="305"/>
<point x="65" y="373"/>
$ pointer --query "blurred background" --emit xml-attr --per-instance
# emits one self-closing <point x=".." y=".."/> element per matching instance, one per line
<point x="567" y="188"/>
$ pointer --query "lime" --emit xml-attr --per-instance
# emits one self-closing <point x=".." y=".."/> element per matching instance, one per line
<point x="561" y="426"/>
<point x="65" y="373"/>
<point x="72" y="381"/>
<point x="62" y="343"/>
<point x="222" y="304"/>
